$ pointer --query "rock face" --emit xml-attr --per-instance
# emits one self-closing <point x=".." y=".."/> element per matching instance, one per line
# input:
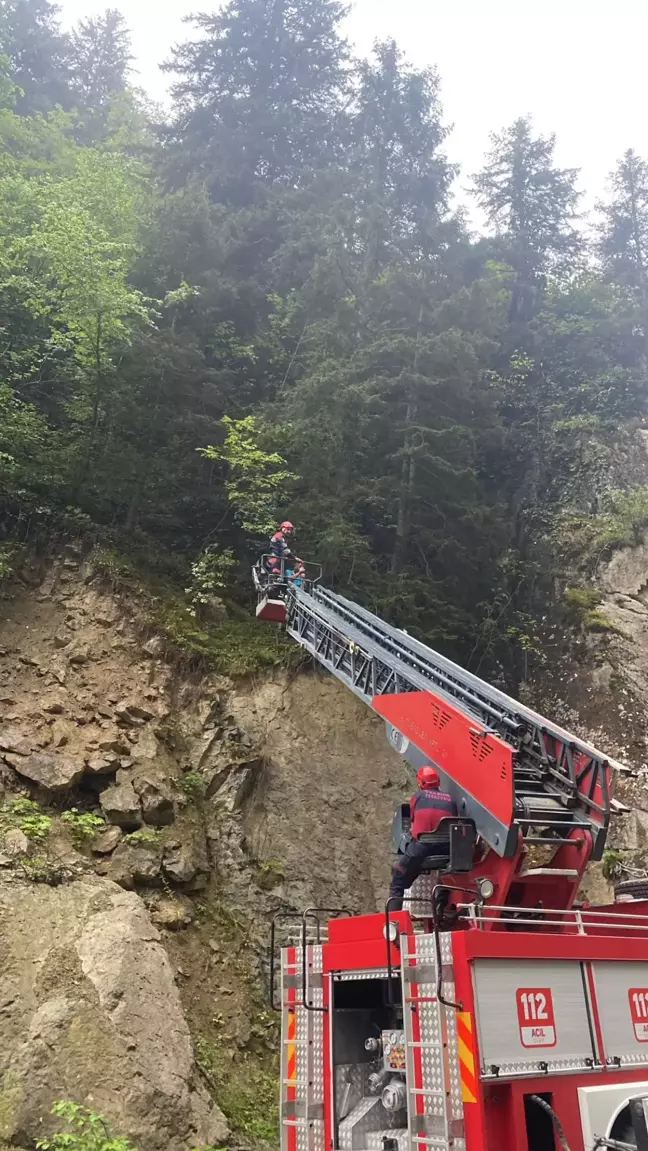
<point x="53" y="772"/>
<point x="157" y="803"/>
<point x="121" y="806"/>
<point x="91" y="1012"/>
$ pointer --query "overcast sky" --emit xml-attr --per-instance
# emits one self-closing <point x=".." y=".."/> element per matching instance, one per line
<point x="578" y="66"/>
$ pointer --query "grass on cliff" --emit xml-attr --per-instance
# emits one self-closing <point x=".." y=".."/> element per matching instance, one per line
<point x="239" y="646"/>
<point x="584" y="541"/>
<point x="245" y="1091"/>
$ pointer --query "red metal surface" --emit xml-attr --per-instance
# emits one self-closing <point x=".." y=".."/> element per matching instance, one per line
<point x="482" y="764"/>
<point x="496" y="1120"/>
<point x="273" y="610"/>
<point x="503" y="1106"/>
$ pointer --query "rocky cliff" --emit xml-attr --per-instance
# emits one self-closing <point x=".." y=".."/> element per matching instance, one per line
<point x="154" y="817"/>
<point x="151" y="822"/>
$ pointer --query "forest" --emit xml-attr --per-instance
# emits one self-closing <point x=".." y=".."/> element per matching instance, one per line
<point x="264" y="301"/>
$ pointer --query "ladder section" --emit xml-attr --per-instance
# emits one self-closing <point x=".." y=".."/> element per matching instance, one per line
<point x="302" y="1047"/>
<point x="556" y="780"/>
<point x="435" y="1073"/>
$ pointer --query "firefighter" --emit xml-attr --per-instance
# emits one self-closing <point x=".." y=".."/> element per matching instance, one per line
<point x="427" y="808"/>
<point x="280" y="551"/>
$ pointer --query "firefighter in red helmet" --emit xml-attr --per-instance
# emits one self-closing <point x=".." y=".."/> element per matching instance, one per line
<point x="281" y="557"/>
<point x="427" y="808"/>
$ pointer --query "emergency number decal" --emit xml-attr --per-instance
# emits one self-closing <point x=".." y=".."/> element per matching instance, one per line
<point x="638" y="1000"/>
<point x="536" y="1016"/>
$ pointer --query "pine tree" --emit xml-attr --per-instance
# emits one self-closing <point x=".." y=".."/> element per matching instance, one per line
<point x="258" y="96"/>
<point x="99" y="62"/>
<point x="623" y="242"/>
<point x="403" y="179"/>
<point x="31" y="39"/>
<point x="531" y="205"/>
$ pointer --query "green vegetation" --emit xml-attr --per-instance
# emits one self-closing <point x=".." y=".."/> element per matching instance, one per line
<point x="598" y="621"/>
<point x="193" y="784"/>
<point x="26" y="815"/>
<point x="613" y="865"/>
<point x="41" y="869"/>
<point x="245" y="1092"/>
<point x="236" y="647"/>
<point x="580" y="601"/>
<point x="270" y="873"/>
<point x="276" y="309"/>
<point x="83" y="824"/>
<point x="87" y="1131"/>
<point x="145" y="837"/>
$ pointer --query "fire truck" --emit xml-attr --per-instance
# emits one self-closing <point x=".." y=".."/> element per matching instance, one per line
<point x="506" y="1016"/>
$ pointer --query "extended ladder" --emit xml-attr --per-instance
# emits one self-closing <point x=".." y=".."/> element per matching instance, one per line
<point x="509" y="769"/>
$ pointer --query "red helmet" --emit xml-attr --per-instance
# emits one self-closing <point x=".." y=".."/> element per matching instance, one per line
<point x="287" y="526"/>
<point x="428" y="776"/>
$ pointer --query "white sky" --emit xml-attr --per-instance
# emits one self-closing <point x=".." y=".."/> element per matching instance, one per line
<point x="578" y="66"/>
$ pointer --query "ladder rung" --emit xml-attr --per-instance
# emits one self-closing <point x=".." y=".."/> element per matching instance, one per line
<point x="568" y="872"/>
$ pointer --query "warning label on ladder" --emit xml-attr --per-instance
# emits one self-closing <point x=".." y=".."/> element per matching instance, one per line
<point x="638" y="1000"/>
<point x="536" y="1016"/>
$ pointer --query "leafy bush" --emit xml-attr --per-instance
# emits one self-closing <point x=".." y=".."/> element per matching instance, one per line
<point x="83" y="824"/>
<point x="613" y="864"/>
<point x="211" y="574"/>
<point x="193" y="784"/>
<point x="26" y="815"/>
<point x="145" y="837"/>
<point x="88" y="1131"/>
<point x="42" y="869"/>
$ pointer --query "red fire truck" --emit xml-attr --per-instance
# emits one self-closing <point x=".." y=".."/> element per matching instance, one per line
<point x="507" y="1016"/>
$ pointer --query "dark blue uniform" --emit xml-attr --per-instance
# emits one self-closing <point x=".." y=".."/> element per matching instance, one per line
<point x="279" y="552"/>
<point x="427" y="808"/>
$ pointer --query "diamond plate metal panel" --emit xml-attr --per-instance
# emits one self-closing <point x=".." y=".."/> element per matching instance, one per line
<point x="496" y="982"/>
<point x="353" y="975"/>
<point x="421" y="888"/>
<point x="625" y="1035"/>
<point x="351" y="1085"/>
<point x="375" y="1139"/>
<point x="305" y="1046"/>
<point x="428" y="1071"/>
<point x="366" y="1116"/>
<point x="449" y="992"/>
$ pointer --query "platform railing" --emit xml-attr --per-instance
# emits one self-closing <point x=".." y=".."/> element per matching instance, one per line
<point x="285" y="574"/>
<point x="576" y="921"/>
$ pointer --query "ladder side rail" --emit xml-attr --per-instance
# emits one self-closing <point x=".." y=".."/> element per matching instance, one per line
<point x="363" y="665"/>
<point x="390" y="674"/>
<point x="418" y="677"/>
<point x="434" y="660"/>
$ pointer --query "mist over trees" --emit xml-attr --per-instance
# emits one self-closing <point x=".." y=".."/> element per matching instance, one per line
<point x="283" y="248"/>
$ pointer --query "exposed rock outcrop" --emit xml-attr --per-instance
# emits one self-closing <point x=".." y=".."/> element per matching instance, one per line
<point x="90" y="1011"/>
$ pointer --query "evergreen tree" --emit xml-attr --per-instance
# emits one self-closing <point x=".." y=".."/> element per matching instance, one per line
<point x="99" y="62"/>
<point x="31" y="39"/>
<point x="623" y="242"/>
<point x="259" y="93"/>
<point x="531" y="205"/>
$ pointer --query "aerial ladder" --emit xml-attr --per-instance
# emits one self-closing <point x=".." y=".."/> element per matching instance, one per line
<point x="519" y="1022"/>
